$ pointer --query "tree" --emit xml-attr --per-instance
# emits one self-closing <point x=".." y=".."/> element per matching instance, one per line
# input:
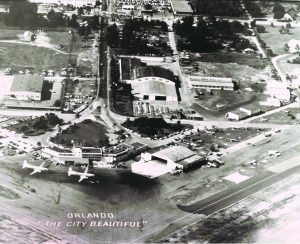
<point x="77" y="116"/>
<point x="57" y="103"/>
<point x="22" y="14"/>
<point x="148" y="6"/>
<point x="286" y="47"/>
<point x="53" y="119"/>
<point x="112" y="35"/>
<point x="278" y="11"/>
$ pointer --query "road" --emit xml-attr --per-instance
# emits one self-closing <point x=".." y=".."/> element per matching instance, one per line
<point x="237" y="193"/>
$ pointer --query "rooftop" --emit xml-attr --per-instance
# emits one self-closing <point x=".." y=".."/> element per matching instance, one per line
<point x="181" y="6"/>
<point x="175" y="153"/>
<point x="153" y="85"/>
<point x="27" y="83"/>
<point x="134" y="68"/>
<point x="91" y="150"/>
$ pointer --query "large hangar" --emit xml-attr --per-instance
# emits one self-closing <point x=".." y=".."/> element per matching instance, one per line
<point x="166" y="160"/>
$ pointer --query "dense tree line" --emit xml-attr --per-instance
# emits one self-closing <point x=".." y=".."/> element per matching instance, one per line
<point x="209" y="36"/>
<point x="134" y="36"/>
<point x="278" y="11"/>
<point x="217" y="7"/>
<point x="254" y="9"/>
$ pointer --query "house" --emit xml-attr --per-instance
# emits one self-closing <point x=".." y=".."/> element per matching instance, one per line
<point x="243" y="112"/>
<point x="236" y="115"/>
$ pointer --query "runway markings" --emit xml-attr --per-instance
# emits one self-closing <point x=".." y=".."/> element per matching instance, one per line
<point x="236" y="178"/>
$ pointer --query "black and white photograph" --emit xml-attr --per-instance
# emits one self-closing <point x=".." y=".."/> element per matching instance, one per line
<point x="149" y="121"/>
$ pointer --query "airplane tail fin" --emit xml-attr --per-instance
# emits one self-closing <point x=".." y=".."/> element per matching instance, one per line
<point x="25" y="164"/>
<point x="70" y="171"/>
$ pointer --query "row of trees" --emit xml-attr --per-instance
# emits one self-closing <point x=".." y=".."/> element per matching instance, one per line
<point x="209" y="36"/>
<point x="254" y="9"/>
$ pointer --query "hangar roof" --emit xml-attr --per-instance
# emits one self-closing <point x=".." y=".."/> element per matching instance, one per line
<point x="175" y="153"/>
<point x="154" y="86"/>
<point x="27" y="83"/>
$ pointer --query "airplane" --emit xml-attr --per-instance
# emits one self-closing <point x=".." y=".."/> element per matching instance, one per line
<point x="36" y="169"/>
<point x="83" y="175"/>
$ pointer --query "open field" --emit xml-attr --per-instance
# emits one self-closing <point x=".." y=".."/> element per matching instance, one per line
<point x="276" y="41"/>
<point x="238" y="58"/>
<point x="282" y="118"/>
<point x="217" y="105"/>
<point x="17" y="56"/>
<point x="217" y="139"/>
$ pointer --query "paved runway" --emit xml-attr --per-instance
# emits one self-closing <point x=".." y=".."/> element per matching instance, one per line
<point x="238" y="192"/>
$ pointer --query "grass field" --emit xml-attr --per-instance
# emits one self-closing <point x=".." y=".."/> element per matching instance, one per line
<point x="276" y="41"/>
<point x="88" y="133"/>
<point x="238" y="58"/>
<point x="17" y="56"/>
<point x="235" y="71"/>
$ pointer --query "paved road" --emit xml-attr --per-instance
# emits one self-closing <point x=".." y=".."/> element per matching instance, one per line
<point x="237" y="193"/>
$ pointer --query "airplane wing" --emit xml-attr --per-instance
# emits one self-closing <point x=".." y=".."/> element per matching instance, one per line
<point x="33" y="172"/>
<point x="86" y="170"/>
<point x="42" y="165"/>
<point x="82" y="177"/>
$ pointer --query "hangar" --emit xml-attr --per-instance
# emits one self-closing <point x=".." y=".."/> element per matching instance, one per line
<point x="154" y="89"/>
<point x="166" y="160"/>
<point x="26" y="87"/>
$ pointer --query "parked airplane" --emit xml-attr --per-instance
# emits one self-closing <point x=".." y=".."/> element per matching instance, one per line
<point x="82" y="176"/>
<point x="36" y="169"/>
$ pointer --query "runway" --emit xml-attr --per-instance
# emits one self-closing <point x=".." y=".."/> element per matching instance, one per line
<point x="238" y="192"/>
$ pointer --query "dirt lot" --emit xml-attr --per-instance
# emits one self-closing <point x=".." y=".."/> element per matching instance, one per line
<point x="283" y="118"/>
<point x="17" y="56"/>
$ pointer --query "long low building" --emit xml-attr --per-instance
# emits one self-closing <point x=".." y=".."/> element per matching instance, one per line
<point x="86" y="155"/>
<point x="181" y="7"/>
<point x="77" y="3"/>
<point x="154" y="89"/>
<point x="212" y="83"/>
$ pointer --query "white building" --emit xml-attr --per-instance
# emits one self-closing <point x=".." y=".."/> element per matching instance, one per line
<point x="211" y="83"/>
<point x="271" y="102"/>
<point x="154" y="89"/>
<point x="78" y="155"/>
<point x="26" y="87"/>
<point x="294" y="46"/>
<point x="278" y="90"/>
<point x="77" y="3"/>
<point x="166" y="160"/>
